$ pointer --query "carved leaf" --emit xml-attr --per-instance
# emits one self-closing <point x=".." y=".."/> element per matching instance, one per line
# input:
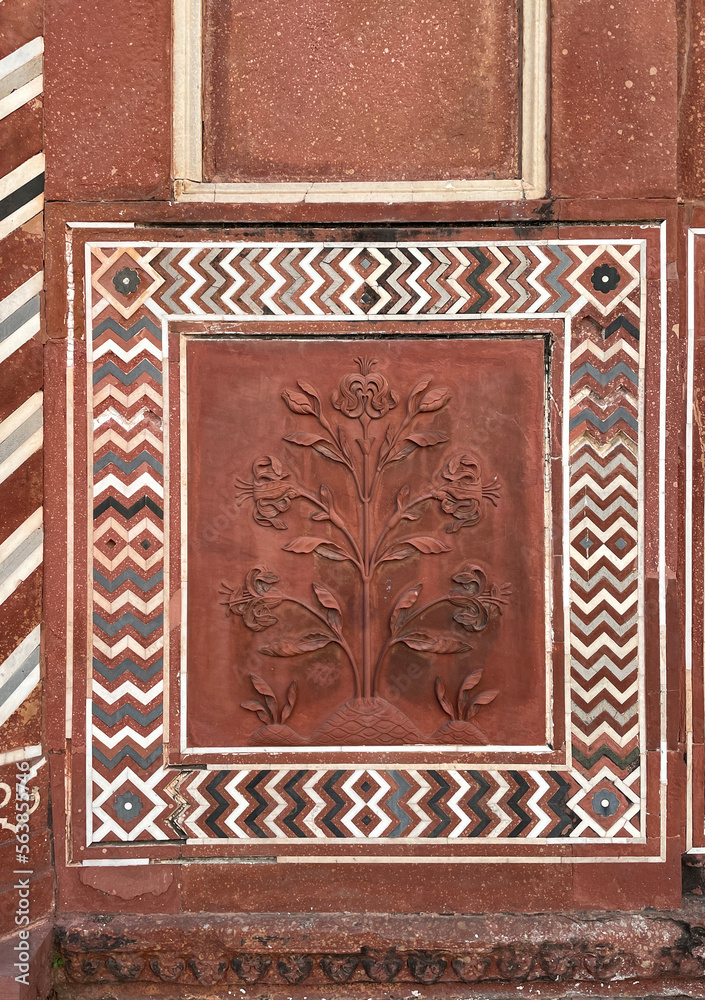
<point x="482" y="699"/>
<point x="416" y="394"/>
<point x="305" y="438"/>
<point x="302" y="544"/>
<point x="310" y="391"/>
<point x="343" y="442"/>
<point x="442" y="698"/>
<point x="326" y="497"/>
<point x="471" y="681"/>
<point x="329" y="550"/>
<point x="258" y="707"/>
<point x="290" y="701"/>
<point x="434" y="400"/>
<point x="426" y="439"/>
<point x="437" y="644"/>
<point x="325" y="597"/>
<point x="323" y="449"/>
<point x="293" y="647"/>
<point x="428" y="545"/>
<point x="403" y="497"/>
<point x="314" y="640"/>
<point x="297" y="402"/>
<point x="403" y="452"/>
<point x="424" y="543"/>
<point x="387" y="444"/>
<point x="335" y="615"/>
<point x="334" y="619"/>
<point x="260" y="685"/>
<point x="407" y="600"/>
<point x="397" y="552"/>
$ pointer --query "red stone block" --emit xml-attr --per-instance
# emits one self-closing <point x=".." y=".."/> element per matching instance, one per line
<point x="108" y="100"/>
<point x="613" y="99"/>
<point x="403" y="888"/>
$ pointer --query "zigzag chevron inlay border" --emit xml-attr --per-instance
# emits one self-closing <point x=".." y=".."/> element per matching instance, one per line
<point x="134" y="798"/>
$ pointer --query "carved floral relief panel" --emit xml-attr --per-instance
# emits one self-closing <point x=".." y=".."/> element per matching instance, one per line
<point x="383" y="568"/>
<point x="368" y="542"/>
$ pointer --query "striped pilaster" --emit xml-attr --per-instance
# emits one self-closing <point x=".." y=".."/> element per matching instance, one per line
<point x="21" y="381"/>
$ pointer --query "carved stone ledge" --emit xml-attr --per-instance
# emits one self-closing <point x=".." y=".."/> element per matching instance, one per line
<point x="598" y="948"/>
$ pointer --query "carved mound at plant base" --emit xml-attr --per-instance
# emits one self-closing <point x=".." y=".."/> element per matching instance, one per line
<point x="276" y="735"/>
<point x="363" y="721"/>
<point x="460" y="733"/>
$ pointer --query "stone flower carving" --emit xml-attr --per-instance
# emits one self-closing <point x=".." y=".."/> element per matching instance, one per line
<point x="365" y="393"/>
<point x="463" y="491"/>
<point x="253" y="602"/>
<point x="367" y="531"/>
<point x="269" y="491"/>
<point x="477" y="603"/>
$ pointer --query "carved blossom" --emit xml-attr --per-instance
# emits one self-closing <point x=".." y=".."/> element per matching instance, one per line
<point x="253" y="602"/>
<point x="463" y="490"/>
<point x="478" y="604"/>
<point x="269" y="491"/>
<point x="364" y="393"/>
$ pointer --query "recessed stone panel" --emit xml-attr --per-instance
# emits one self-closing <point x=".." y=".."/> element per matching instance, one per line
<point x="321" y="91"/>
<point x="366" y="541"/>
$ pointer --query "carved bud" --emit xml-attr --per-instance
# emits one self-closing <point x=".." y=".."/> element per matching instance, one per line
<point x="251" y="968"/>
<point x="124" y="968"/>
<point x="297" y="402"/>
<point x="208" y="971"/>
<point x="339" y="968"/>
<point x="471" y="968"/>
<point x="380" y="967"/>
<point x="425" y="967"/>
<point x="169" y="968"/>
<point x="433" y="400"/>
<point x="294" y="968"/>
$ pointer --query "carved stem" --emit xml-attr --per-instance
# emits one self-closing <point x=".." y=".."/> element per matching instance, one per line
<point x="366" y="576"/>
<point x="325" y="424"/>
<point x="400" y="429"/>
<point x="426" y="607"/>
<point x="338" y="639"/>
<point x="339" y="523"/>
<point x="392" y="523"/>
<point x="397" y="638"/>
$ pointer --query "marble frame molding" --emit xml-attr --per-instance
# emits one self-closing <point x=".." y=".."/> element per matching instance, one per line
<point x="187" y="131"/>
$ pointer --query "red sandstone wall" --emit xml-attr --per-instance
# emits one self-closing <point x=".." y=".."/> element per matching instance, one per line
<point x="625" y="125"/>
<point x="26" y="878"/>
